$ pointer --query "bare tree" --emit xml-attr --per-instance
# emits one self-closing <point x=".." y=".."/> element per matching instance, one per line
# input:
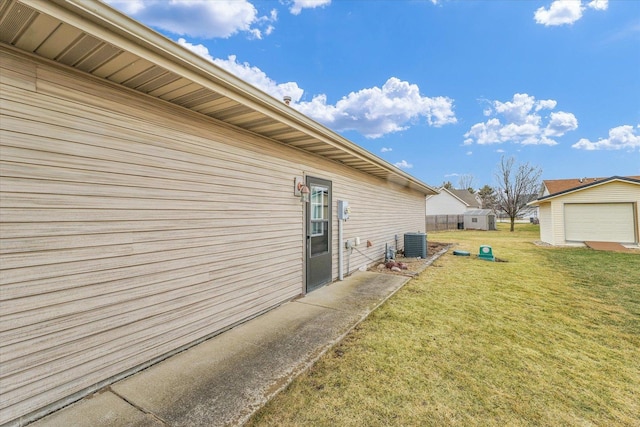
<point x="465" y="182"/>
<point x="516" y="186"/>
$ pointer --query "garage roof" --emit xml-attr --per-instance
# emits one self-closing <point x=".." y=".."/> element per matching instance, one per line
<point x="559" y="185"/>
<point x="93" y="37"/>
<point x="583" y="185"/>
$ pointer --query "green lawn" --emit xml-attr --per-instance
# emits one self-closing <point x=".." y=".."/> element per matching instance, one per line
<point x="551" y="337"/>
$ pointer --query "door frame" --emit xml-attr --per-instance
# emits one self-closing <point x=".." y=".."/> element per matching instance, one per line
<point x="318" y="267"/>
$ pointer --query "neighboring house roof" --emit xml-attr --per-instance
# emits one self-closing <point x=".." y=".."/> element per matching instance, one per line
<point x="463" y="196"/>
<point x="560" y="187"/>
<point x="111" y="46"/>
<point x="468" y="197"/>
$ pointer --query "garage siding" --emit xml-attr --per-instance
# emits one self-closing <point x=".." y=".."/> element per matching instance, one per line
<point x="546" y="223"/>
<point x="131" y="228"/>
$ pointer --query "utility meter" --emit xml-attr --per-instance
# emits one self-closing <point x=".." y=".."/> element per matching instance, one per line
<point x="343" y="210"/>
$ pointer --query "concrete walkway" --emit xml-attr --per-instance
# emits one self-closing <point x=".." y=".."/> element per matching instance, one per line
<point x="223" y="381"/>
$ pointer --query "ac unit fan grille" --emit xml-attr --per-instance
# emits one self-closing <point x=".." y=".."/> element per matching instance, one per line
<point x="415" y="245"/>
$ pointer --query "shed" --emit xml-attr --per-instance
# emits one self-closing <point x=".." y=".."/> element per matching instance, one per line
<point x="574" y="211"/>
<point x="479" y="219"/>
<point x="151" y="200"/>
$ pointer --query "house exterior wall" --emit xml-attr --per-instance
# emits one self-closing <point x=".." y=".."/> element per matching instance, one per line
<point x="610" y="192"/>
<point x="444" y="204"/>
<point x="132" y="228"/>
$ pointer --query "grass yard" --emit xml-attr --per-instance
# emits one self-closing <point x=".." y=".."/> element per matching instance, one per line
<point x="551" y="337"/>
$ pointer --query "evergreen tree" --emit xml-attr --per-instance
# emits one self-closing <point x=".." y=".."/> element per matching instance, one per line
<point x="488" y="197"/>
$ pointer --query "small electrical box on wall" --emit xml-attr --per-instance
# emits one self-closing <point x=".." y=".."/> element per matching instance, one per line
<point x="343" y="210"/>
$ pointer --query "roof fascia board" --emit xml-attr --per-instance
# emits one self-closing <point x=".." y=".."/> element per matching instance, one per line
<point x="583" y="187"/>
<point x="439" y="191"/>
<point x="128" y="34"/>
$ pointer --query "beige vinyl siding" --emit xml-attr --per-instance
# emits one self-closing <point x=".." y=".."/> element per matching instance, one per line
<point x="128" y="232"/>
<point x="131" y="228"/>
<point x="610" y="192"/>
<point x="377" y="215"/>
<point x="546" y="223"/>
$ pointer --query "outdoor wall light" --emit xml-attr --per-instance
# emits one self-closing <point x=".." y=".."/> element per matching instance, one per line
<point x="304" y="194"/>
<point x="301" y="190"/>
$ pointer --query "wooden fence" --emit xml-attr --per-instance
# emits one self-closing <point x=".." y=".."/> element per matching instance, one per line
<point x="444" y="222"/>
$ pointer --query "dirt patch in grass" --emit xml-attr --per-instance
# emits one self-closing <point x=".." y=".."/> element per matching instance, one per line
<point x="435" y="247"/>
<point x="414" y="265"/>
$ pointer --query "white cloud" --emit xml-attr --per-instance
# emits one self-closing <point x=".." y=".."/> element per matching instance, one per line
<point x="621" y="137"/>
<point x="251" y="75"/>
<point x="560" y="12"/>
<point x="560" y="124"/>
<point x="259" y="79"/>
<point x="130" y="7"/>
<point x="198" y="49"/>
<point x="468" y="153"/>
<point x="298" y="5"/>
<point x="403" y="164"/>
<point x="546" y="104"/>
<point x="521" y="122"/>
<point x="386" y="149"/>
<point x="500" y="150"/>
<point x="566" y="12"/>
<point x="598" y="4"/>
<point x="199" y="18"/>
<point x="375" y="112"/>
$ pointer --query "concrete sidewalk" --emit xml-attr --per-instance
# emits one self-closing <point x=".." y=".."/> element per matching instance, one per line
<point x="224" y="380"/>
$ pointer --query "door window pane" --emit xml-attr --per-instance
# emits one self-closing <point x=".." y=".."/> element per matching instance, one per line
<point x="319" y="205"/>
<point x="319" y="201"/>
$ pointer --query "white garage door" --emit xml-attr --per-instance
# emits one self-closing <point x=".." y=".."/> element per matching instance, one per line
<point x="600" y="222"/>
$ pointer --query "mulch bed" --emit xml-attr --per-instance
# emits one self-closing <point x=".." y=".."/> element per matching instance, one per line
<point x="414" y="265"/>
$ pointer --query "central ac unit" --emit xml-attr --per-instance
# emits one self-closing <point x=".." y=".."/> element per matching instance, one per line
<point x="415" y="245"/>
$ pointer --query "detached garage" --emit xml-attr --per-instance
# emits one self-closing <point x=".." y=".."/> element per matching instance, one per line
<point x="582" y="210"/>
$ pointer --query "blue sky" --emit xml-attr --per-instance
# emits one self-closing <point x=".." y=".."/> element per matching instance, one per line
<point x="440" y="88"/>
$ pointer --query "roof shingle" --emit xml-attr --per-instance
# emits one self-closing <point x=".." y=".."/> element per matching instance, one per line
<point x="559" y="185"/>
<point x="467" y="197"/>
